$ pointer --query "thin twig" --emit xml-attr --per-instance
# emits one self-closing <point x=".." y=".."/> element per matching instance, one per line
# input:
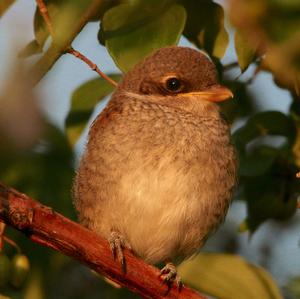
<point x="44" y="12"/>
<point x="46" y="227"/>
<point x="92" y="65"/>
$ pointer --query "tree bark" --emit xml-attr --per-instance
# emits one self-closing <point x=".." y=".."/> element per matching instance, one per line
<point x="44" y="226"/>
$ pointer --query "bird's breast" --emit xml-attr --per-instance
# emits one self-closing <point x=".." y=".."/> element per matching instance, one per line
<point x="173" y="177"/>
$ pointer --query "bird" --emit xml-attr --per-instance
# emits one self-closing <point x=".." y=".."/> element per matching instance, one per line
<point x="159" y="170"/>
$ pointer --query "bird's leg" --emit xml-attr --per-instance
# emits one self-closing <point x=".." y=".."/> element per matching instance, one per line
<point x="169" y="275"/>
<point x="117" y="243"/>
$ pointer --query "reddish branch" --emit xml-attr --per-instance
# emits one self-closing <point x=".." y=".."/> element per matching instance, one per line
<point x="44" y="12"/>
<point x="44" y="226"/>
<point x="92" y="65"/>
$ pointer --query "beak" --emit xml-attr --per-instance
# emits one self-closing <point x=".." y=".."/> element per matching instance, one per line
<point x="216" y="93"/>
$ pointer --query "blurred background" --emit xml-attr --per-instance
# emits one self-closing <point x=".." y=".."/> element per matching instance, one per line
<point x="43" y="135"/>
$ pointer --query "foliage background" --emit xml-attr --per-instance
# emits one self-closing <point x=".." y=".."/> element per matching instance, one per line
<point x="36" y="157"/>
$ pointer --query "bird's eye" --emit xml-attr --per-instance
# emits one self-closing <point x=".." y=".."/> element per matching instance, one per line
<point x="173" y="84"/>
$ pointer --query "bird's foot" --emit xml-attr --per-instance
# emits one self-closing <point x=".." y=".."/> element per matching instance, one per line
<point x="117" y="244"/>
<point x="169" y="275"/>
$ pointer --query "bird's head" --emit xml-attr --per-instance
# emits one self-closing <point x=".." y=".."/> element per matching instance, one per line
<point x="176" y="76"/>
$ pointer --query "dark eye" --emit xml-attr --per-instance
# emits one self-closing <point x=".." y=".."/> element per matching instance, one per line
<point x="173" y="84"/>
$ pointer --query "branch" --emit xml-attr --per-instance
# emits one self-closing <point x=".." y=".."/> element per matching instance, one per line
<point x="44" y="12"/>
<point x="92" y="65"/>
<point x="44" y="226"/>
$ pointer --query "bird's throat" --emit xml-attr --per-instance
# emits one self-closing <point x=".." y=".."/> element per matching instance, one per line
<point x="191" y="104"/>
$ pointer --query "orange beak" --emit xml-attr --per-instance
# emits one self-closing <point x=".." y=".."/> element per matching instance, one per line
<point x="216" y="93"/>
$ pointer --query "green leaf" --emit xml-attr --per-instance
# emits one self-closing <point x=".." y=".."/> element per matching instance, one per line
<point x="205" y="26"/>
<point x="293" y="287"/>
<point x="257" y="162"/>
<point x="83" y="102"/>
<point x="270" y="196"/>
<point x="63" y="16"/>
<point x="5" y="5"/>
<point x="265" y="123"/>
<point x="267" y="174"/>
<point x="41" y="32"/>
<point x="219" y="43"/>
<point x="134" y="30"/>
<point x="20" y="269"/>
<point x="227" y="276"/>
<point x="244" y="49"/>
<point x="98" y="14"/>
<point x="274" y="26"/>
<point x="5" y="269"/>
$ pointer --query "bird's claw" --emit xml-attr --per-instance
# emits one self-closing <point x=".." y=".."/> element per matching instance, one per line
<point x="117" y="244"/>
<point x="169" y="275"/>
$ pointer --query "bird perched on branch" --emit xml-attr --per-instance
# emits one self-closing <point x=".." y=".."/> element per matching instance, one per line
<point x="158" y="171"/>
